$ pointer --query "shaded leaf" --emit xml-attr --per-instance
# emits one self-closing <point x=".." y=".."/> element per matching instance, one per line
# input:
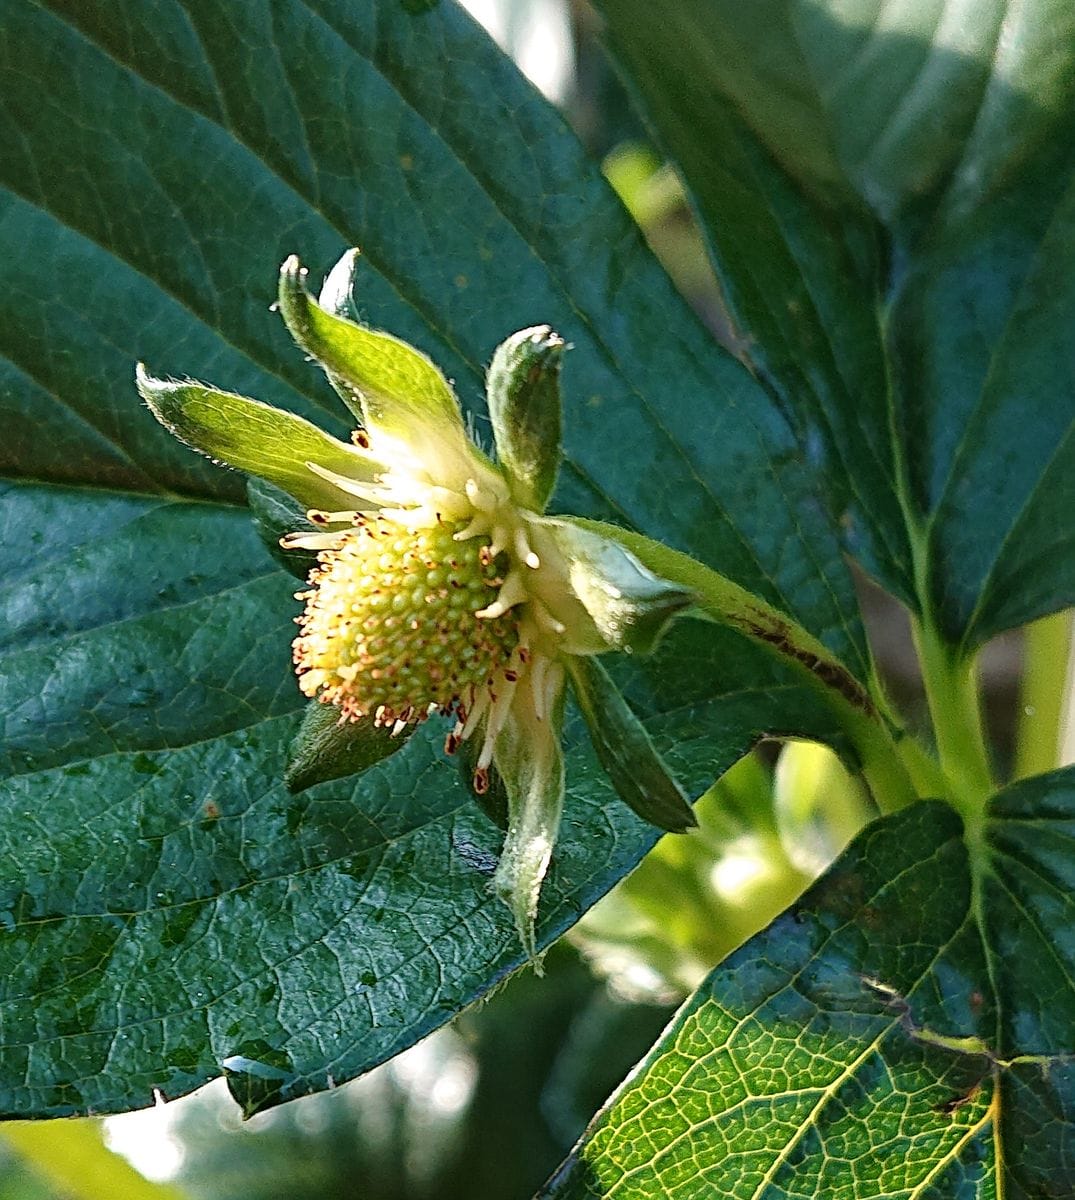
<point x="796" y="250"/>
<point x="276" y="514"/>
<point x="172" y="884"/>
<point x="522" y="227"/>
<point x="945" y="136"/>
<point x="982" y="345"/>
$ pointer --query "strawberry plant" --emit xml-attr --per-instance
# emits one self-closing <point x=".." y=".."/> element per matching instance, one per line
<point x="207" y="871"/>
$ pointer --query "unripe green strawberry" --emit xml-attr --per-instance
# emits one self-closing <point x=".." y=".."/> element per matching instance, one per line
<point x="441" y="584"/>
<point x="391" y="628"/>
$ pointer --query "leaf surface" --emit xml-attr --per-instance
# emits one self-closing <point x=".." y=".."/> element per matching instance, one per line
<point x="896" y="180"/>
<point x="521" y="225"/>
<point x="168" y="910"/>
<point x="795" y="249"/>
<point x="904" y="1030"/>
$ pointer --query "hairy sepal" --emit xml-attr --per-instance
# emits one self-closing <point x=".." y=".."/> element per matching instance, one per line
<point x="638" y="773"/>
<point x="328" y="746"/>
<point x="629" y="605"/>
<point x="406" y="404"/>
<point x="523" y="392"/>
<point x="254" y="437"/>
<point x="530" y="762"/>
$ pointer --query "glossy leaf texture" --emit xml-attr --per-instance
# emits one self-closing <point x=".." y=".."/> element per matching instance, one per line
<point x="473" y="216"/>
<point x="798" y="263"/>
<point x="905" y="1030"/>
<point x="896" y="181"/>
<point x="169" y="910"/>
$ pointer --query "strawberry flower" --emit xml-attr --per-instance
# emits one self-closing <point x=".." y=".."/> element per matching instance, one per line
<point x="440" y="588"/>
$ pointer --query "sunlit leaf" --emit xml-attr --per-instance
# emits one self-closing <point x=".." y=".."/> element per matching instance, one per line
<point x="884" y="1037"/>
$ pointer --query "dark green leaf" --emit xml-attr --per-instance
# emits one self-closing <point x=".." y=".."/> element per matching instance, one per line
<point x="117" y="616"/>
<point x="903" y="1030"/>
<point x="170" y="904"/>
<point x="509" y="1054"/>
<point x="1028" y="914"/>
<point x="624" y="749"/>
<point x="494" y="800"/>
<point x="796" y="251"/>
<point x="276" y="514"/>
<point x="171" y="884"/>
<point x="981" y="336"/>
<point x="466" y="235"/>
<point x="948" y="140"/>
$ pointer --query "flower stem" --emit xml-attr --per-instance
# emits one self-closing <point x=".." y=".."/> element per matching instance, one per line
<point x="725" y="602"/>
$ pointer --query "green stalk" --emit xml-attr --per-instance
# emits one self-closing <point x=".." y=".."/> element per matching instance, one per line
<point x="729" y="604"/>
<point x="1046" y="658"/>
<point x="925" y="772"/>
<point x="951" y="683"/>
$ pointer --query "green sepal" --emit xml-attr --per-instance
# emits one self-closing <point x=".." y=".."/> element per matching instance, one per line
<point x="530" y="761"/>
<point x="640" y="777"/>
<point x="337" y="296"/>
<point x="400" y="393"/>
<point x="523" y="392"/>
<point x="629" y="605"/>
<point x="325" y="749"/>
<point x="494" y="800"/>
<point x="275" y="514"/>
<point x="254" y="437"/>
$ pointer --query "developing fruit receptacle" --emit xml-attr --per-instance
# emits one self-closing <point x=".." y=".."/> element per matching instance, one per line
<point x="392" y="627"/>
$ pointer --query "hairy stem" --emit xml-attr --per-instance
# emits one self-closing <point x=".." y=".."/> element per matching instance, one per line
<point x="725" y="602"/>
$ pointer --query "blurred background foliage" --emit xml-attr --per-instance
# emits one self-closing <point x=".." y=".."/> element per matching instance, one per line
<point x="488" y="1106"/>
